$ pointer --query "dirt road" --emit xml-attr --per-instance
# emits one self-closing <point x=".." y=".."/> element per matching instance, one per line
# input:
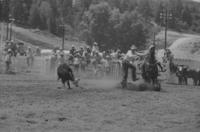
<point x="31" y="103"/>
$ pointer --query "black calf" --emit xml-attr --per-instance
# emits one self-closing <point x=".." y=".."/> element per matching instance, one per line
<point x="65" y="73"/>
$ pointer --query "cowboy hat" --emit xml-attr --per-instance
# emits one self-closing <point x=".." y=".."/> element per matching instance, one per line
<point x="151" y="46"/>
<point x="95" y="43"/>
<point x="133" y="47"/>
<point x="9" y="50"/>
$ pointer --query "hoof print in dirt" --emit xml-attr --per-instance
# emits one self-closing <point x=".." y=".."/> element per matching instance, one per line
<point x="3" y="117"/>
<point x="31" y="122"/>
<point x="62" y="119"/>
<point x="142" y="86"/>
<point x="59" y="87"/>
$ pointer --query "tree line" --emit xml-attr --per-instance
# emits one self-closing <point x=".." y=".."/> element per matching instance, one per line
<point x="111" y="23"/>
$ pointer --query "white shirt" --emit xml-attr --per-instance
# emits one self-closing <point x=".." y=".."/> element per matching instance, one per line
<point x="8" y="58"/>
<point x="95" y="49"/>
<point x="29" y="53"/>
<point x="130" y="56"/>
<point x="76" y="61"/>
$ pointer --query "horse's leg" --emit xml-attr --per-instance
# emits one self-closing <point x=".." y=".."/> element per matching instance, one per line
<point x="179" y="80"/>
<point x="157" y="85"/>
<point x="194" y="81"/>
<point x="144" y="73"/>
<point x="155" y="81"/>
<point x="68" y="83"/>
<point x="186" y="80"/>
<point x="63" y="82"/>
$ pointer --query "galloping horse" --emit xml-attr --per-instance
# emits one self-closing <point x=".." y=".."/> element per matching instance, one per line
<point x="150" y="71"/>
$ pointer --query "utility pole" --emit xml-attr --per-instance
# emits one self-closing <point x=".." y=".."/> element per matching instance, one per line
<point x="6" y="13"/>
<point x="154" y="38"/>
<point x="63" y="36"/>
<point x="1" y="19"/>
<point x="165" y="15"/>
<point x="11" y="23"/>
<point x="63" y="40"/>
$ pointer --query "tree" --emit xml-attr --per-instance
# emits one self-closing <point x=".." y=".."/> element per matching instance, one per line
<point x="145" y="9"/>
<point x="86" y="4"/>
<point x="5" y="10"/>
<point x="132" y="30"/>
<point x="159" y="10"/>
<point x="18" y="11"/>
<point x="34" y="18"/>
<point x="187" y="16"/>
<point x="1" y="9"/>
<point x="99" y="22"/>
<point x="45" y="15"/>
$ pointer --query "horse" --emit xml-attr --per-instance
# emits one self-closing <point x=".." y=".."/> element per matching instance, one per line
<point x="150" y="71"/>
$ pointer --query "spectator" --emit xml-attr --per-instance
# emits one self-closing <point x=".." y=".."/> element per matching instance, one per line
<point x="81" y="51"/>
<point x="38" y="51"/>
<point x="76" y="62"/>
<point x="95" y="49"/>
<point x="8" y="60"/>
<point x="29" y="58"/>
<point x="169" y="57"/>
<point x="73" y="50"/>
<point x="53" y="60"/>
<point x="61" y="59"/>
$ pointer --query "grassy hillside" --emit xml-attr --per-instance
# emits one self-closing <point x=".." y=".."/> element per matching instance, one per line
<point x="182" y="45"/>
<point x="172" y="36"/>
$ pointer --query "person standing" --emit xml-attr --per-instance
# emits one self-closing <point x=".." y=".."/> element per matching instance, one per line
<point x="53" y="60"/>
<point x="129" y="63"/>
<point x="95" y="49"/>
<point x="169" y="66"/>
<point x="76" y="62"/>
<point x="73" y="50"/>
<point x="8" y="60"/>
<point x="61" y="59"/>
<point x="29" y="59"/>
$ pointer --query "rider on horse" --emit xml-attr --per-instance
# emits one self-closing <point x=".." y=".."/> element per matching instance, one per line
<point x="149" y="67"/>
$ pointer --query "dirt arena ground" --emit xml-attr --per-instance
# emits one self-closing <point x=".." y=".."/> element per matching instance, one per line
<point x="32" y="103"/>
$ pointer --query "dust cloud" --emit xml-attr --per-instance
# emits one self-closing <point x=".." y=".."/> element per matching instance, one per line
<point x="41" y="69"/>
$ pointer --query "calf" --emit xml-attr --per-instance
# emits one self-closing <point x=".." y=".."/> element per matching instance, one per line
<point x="194" y="75"/>
<point x="65" y="73"/>
<point x="181" y="73"/>
<point x="184" y="73"/>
